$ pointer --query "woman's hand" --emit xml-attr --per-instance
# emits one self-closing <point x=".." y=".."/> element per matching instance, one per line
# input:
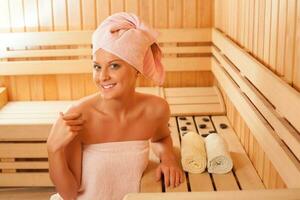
<point x="173" y="174"/>
<point x="65" y="129"/>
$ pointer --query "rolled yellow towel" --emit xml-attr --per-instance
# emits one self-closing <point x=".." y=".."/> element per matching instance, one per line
<point x="193" y="155"/>
<point x="218" y="156"/>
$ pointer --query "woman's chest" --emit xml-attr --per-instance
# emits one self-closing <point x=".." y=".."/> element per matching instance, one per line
<point x="101" y="129"/>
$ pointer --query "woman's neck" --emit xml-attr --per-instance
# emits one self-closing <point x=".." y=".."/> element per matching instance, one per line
<point x="119" y="107"/>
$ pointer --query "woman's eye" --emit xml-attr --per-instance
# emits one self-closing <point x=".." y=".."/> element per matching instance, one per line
<point x="97" y="67"/>
<point x="114" y="66"/>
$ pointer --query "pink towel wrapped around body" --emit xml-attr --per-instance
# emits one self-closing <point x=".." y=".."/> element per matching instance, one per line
<point x="125" y="36"/>
<point x="111" y="170"/>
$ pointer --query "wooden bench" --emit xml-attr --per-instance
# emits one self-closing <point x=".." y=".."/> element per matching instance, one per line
<point x="265" y="150"/>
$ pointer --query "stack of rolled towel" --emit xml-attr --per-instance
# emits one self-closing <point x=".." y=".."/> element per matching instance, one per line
<point x="212" y="151"/>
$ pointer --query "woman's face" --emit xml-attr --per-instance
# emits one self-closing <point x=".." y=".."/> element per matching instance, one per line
<point x="113" y="76"/>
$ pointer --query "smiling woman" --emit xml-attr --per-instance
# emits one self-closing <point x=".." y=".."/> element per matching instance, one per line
<point x="99" y="148"/>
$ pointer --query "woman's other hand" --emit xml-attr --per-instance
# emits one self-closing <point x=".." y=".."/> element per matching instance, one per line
<point x="64" y="130"/>
<point x="173" y="174"/>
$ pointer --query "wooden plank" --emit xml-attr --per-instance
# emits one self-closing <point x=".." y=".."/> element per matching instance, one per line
<point x="25" y="179"/>
<point x="285" y="164"/>
<point x="288" y="194"/>
<point x="196" y="109"/>
<point x="283" y="129"/>
<point x="198" y="182"/>
<point x="3" y="97"/>
<point x="256" y="72"/>
<point x="35" y="193"/>
<point x="23" y="150"/>
<point x="186" y="49"/>
<point x="186" y="64"/>
<point x="193" y="100"/>
<point x="296" y="71"/>
<point x="189" y="91"/>
<point x="24" y="165"/>
<point x="185" y="35"/>
<point x="29" y="132"/>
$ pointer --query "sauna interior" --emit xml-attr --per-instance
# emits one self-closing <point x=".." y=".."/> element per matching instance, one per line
<point x="232" y="62"/>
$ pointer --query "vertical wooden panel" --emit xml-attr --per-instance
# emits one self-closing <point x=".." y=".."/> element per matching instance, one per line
<point x="161" y="13"/>
<point x="204" y="13"/>
<point x="116" y="6"/>
<point x="296" y="72"/>
<point x="246" y="21"/>
<point x="146" y="11"/>
<point x="290" y="41"/>
<point x="175" y="13"/>
<point x="132" y="6"/>
<point x="4" y="19"/>
<point x="189" y="13"/>
<point x="88" y="15"/>
<point x="23" y="90"/>
<point x="103" y="10"/>
<point x="281" y="37"/>
<point x="251" y="24"/>
<point x="255" y="27"/>
<point x="261" y="24"/>
<point x="267" y="31"/>
<point x="74" y="15"/>
<point x="274" y="33"/>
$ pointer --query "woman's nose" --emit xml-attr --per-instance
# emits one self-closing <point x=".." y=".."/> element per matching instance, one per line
<point x="104" y="75"/>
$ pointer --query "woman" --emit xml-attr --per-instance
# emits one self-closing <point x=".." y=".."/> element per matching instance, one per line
<point x="98" y="148"/>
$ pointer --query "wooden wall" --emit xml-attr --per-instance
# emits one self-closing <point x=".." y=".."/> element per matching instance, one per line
<point x="268" y="29"/>
<point x="61" y="15"/>
<point x="265" y="169"/>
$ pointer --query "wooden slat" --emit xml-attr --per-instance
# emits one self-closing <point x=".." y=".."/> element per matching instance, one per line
<point x="192" y="49"/>
<point x="34" y="193"/>
<point x="287" y="194"/>
<point x="193" y="100"/>
<point x="23" y="150"/>
<point x="3" y="97"/>
<point x="198" y="182"/>
<point x="187" y="64"/>
<point x="242" y="166"/>
<point x="189" y="91"/>
<point x="283" y="161"/>
<point x="256" y="72"/>
<point x="25" y="179"/>
<point x="185" y="35"/>
<point x="196" y="109"/>
<point x="24" y="165"/>
<point x="284" y="130"/>
<point x="30" y="132"/>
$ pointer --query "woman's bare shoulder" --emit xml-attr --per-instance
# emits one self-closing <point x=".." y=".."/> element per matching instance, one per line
<point x="83" y="104"/>
<point x="155" y="105"/>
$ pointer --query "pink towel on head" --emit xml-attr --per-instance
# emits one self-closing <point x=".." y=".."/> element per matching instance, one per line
<point x="125" y="36"/>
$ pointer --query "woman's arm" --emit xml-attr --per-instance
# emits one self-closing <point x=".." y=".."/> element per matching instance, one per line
<point x="162" y="146"/>
<point x="64" y="155"/>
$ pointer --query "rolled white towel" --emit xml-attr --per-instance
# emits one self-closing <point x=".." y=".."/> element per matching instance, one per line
<point x="218" y="156"/>
<point x="193" y="155"/>
<point x="55" y="197"/>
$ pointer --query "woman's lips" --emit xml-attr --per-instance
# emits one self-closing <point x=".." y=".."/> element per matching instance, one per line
<point x="108" y="86"/>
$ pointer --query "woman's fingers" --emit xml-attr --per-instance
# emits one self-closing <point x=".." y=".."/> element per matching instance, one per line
<point x="75" y="122"/>
<point x="166" y="172"/>
<point x="70" y="116"/>
<point x="172" y="177"/>
<point x="177" y="179"/>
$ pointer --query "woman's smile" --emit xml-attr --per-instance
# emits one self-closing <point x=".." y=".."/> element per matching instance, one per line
<point x="108" y="86"/>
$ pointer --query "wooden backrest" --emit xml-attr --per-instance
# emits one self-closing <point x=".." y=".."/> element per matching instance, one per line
<point x="269" y="106"/>
<point x="35" y="53"/>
